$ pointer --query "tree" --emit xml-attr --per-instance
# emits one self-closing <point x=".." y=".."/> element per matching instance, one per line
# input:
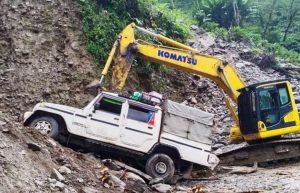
<point x="237" y="15"/>
<point x="270" y="17"/>
<point x="226" y="13"/>
<point x="292" y="14"/>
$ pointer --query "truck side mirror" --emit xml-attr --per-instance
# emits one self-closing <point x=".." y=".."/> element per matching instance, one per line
<point x="96" y="107"/>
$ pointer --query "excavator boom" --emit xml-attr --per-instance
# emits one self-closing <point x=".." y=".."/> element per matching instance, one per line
<point x="180" y="56"/>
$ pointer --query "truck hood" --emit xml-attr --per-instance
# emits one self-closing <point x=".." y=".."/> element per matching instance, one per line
<point x="52" y="107"/>
<point x="56" y="107"/>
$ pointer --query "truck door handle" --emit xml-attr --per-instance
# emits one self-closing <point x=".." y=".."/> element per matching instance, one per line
<point x="90" y="115"/>
<point x="150" y="127"/>
<point x="116" y="118"/>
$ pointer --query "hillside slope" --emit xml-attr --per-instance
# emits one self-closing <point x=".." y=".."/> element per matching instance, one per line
<point x="42" y="55"/>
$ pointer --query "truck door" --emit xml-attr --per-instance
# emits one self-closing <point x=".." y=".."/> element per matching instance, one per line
<point x="104" y="120"/>
<point x="139" y="130"/>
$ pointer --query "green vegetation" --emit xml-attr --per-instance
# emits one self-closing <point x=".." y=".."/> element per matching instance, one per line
<point x="252" y="34"/>
<point x="271" y="25"/>
<point x="103" y="21"/>
<point x="100" y="28"/>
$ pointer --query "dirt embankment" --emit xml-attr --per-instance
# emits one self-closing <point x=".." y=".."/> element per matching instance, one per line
<point x="42" y="55"/>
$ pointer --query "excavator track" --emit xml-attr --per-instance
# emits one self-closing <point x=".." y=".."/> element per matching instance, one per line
<point x="244" y="154"/>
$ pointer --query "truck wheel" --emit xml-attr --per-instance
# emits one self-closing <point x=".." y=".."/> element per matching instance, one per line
<point x="46" y="125"/>
<point x="160" y="165"/>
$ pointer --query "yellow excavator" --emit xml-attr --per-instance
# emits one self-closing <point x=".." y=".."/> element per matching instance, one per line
<point x="266" y="110"/>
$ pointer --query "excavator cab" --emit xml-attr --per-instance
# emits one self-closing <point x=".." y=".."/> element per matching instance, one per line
<point x="267" y="110"/>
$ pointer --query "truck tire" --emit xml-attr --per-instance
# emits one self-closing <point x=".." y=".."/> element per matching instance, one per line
<point x="160" y="165"/>
<point x="46" y="125"/>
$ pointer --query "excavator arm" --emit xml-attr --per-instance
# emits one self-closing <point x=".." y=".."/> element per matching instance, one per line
<point x="178" y="56"/>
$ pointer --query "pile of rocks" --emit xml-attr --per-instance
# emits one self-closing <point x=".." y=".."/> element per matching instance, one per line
<point x="33" y="162"/>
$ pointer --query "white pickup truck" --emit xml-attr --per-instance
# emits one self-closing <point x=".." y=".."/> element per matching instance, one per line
<point x="162" y="139"/>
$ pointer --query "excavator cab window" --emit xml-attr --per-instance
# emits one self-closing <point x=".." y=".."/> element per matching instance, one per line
<point x="274" y="104"/>
<point x="284" y="96"/>
<point x="269" y="105"/>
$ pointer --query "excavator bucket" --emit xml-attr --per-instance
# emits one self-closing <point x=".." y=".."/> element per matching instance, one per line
<point x="122" y="67"/>
<point x="120" y="72"/>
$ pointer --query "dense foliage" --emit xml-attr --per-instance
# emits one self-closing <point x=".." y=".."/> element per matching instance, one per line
<point x="103" y="20"/>
<point x="271" y="25"/>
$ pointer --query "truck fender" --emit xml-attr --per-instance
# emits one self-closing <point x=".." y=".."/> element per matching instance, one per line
<point x="166" y="149"/>
<point x="39" y="113"/>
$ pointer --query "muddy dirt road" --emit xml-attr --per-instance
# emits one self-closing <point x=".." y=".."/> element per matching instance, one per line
<point x="275" y="179"/>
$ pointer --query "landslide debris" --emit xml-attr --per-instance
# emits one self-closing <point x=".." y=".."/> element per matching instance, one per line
<point x="42" y="55"/>
<point x="55" y="168"/>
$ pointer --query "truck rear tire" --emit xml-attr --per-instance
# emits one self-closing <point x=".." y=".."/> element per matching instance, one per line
<point x="46" y="125"/>
<point x="160" y="166"/>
